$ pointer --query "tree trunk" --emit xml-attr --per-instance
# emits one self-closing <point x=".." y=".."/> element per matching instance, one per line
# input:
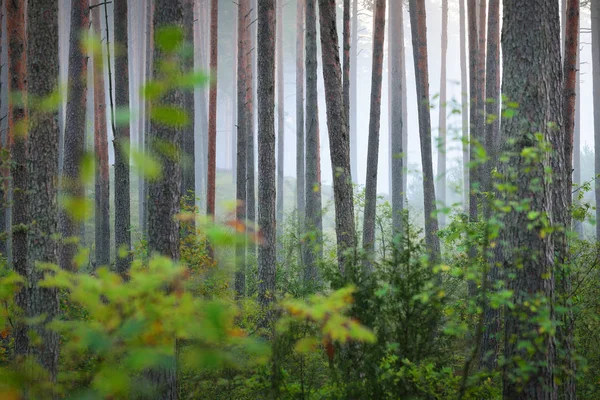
<point x="346" y="64"/>
<point x="72" y="186"/>
<point x="418" y="22"/>
<point x="163" y="227"/>
<point x="42" y="166"/>
<point x="313" y="250"/>
<point x="250" y="131"/>
<point x="121" y="143"/>
<point x="202" y="106"/>
<point x="577" y="225"/>
<point x="562" y="165"/>
<point x="212" y="109"/>
<point x="464" y="84"/>
<point x="596" y="95"/>
<point x="300" y="170"/>
<point x="532" y="78"/>
<point x="266" y="150"/>
<point x="374" y="125"/>
<point x="337" y="124"/>
<point x="17" y="142"/>
<point x="188" y="181"/>
<point x="398" y="121"/>
<point x="102" y="215"/>
<point x="441" y="178"/>
<point x="280" y="123"/>
<point x="352" y="121"/>
<point x="475" y="138"/>
<point x="242" y="50"/>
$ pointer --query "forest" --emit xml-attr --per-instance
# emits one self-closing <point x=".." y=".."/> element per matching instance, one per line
<point x="300" y="199"/>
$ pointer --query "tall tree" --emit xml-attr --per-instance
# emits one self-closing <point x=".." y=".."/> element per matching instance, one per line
<point x="418" y="23"/>
<point x="74" y="130"/>
<point x="212" y="108"/>
<point x="280" y="121"/>
<point x="464" y="85"/>
<point x="266" y="150"/>
<point x="17" y="141"/>
<point x="250" y="125"/>
<point x="352" y="121"/>
<point x="102" y="214"/>
<point x="42" y="167"/>
<point x="300" y="141"/>
<point x="396" y="86"/>
<point x="577" y="225"/>
<point x="163" y="227"/>
<point x="374" y="125"/>
<point x="188" y="181"/>
<point x="314" y="221"/>
<point x="490" y="345"/>
<point x="338" y="133"/>
<point x="346" y="62"/>
<point x="475" y="138"/>
<point x="242" y="50"/>
<point x="121" y="142"/>
<point x="531" y="78"/>
<point x="595" y="6"/>
<point x="441" y="179"/>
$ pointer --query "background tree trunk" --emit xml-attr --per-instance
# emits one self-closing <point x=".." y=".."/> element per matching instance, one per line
<point x="250" y="131"/>
<point x="338" y="133"/>
<point x="346" y="62"/>
<point x="464" y="84"/>
<point x="418" y="22"/>
<point x="188" y="181"/>
<point x="121" y="143"/>
<point x="300" y="143"/>
<point x="212" y="109"/>
<point x="42" y="166"/>
<point x="266" y="150"/>
<point x="374" y="125"/>
<point x="72" y="186"/>
<point x="17" y="141"/>
<point x="532" y="78"/>
<point x="596" y="78"/>
<point x="313" y="249"/>
<point x="441" y="178"/>
<point x="352" y="121"/>
<point x="242" y="50"/>
<point x="475" y="138"/>
<point x="280" y="124"/>
<point x="102" y="214"/>
<point x="398" y="122"/>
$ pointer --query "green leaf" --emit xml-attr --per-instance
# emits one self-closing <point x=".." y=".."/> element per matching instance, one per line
<point x="169" y="38"/>
<point x="169" y="116"/>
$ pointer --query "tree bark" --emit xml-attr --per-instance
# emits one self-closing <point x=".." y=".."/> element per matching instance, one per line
<point x="17" y="142"/>
<point x="188" y="181"/>
<point x="250" y="131"/>
<point x="280" y="123"/>
<point x="212" y="109"/>
<point x="374" y="125"/>
<point x="165" y="193"/>
<point x="596" y="95"/>
<point x="397" y="85"/>
<point x="337" y="124"/>
<point x="42" y="166"/>
<point x="475" y="138"/>
<point x="266" y="150"/>
<point x="102" y="214"/>
<point x="121" y="143"/>
<point x="300" y="141"/>
<point x="313" y="250"/>
<point x="418" y="24"/>
<point x="532" y="78"/>
<point x="352" y="121"/>
<point x="242" y="50"/>
<point x="346" y="62"/>
<point x="464" y="84"/>
<point x="441" y="178"/>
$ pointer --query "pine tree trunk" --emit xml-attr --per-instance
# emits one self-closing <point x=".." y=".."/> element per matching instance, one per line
<point x="532" y="78"/>
<point x="441" y="178"/>
<point x="242" y="50"/>
<point x="313" y="250"/>
<point x="72" y="186"/>
<point x="346" y="62"/>
<point x="418" y="24"/>
<point x="266" y="150"/>
<point x="17" y="141"/>
<point x="352" y="121"/>
<point x="337" y="124"/>
<point x="280" y="124"/>
<point x="300" y="141"/>
<point x="464" y="84"/>
<point x="577" y="225"/>
<point x="121" y="142"/>
<point x="374" y="125"/>
<point x="596" y="95"/>
<point x="475" y="138"/>
<point x="188" y="181"/>
<point x="42" y="166"/>
<point x="102" y="215"/>
<point x="398" y="122"/>
<point x="212" y="109"/>
<point x="163" y="227"/>
<point x="250" y="131"/>
<point x="202" y="106"/>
